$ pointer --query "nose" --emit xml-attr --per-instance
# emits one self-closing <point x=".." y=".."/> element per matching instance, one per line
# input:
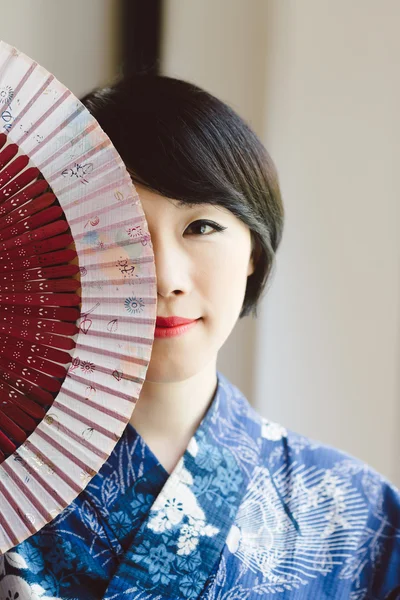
<point x="172" y="267"/>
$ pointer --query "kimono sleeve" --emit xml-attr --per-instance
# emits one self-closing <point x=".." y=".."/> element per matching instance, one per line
<point x="379" y="550"/>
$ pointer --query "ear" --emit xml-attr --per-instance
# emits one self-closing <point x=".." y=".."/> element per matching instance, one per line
<point x="254" y="256"/>
<point x="251" y="266"/>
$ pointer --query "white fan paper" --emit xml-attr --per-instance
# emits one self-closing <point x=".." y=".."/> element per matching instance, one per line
<point x="118" y="297"/>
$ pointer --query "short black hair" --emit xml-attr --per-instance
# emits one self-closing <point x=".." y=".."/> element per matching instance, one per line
<point x="185" y="144"/>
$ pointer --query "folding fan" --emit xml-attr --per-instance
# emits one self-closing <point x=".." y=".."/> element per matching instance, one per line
<point x="77" y="297"/>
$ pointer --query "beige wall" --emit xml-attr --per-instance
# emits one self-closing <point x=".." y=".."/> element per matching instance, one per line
<point x="319" y="82"/>
<point x="74" y="40"/>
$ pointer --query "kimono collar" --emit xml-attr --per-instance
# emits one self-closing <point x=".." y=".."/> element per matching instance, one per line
<point x="179" y="544"/>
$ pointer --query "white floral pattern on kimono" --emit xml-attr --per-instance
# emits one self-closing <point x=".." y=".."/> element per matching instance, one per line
<point x="15" y="585"/>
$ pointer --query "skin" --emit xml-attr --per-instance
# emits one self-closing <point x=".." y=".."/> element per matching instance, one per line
<point x="201" y="273"/>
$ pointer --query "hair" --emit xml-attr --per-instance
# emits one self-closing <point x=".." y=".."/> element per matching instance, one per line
<point x="185" y="144"/>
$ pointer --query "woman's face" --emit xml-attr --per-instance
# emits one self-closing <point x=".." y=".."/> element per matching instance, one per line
<point x="201" y="274"/>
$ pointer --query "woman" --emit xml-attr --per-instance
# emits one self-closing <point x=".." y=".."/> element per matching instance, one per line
<point x="202" y="497"/>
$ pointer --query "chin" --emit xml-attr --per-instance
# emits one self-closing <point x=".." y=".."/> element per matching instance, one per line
<point x="172" y="367"/>
<point x="167" y="373"/>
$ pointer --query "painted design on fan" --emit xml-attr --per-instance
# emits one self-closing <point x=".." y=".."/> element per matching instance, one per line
<point x="30" y="518"/>
<point x="41" y="462"/>
<point x="85" y="478"/>
<point x="118" y="375"/>
<point x="134" y="232"/>
<point x="6" y="94"/>
<point x="27" y="128"/>
<point x="112" y="326"/>
<point x="292" y="526"/>
<point x="87" y="367"/>
<point x="134" y="305"/>
<point x="79" y="171"/>
<point x="78" y="147"/>
<point x="137" y="233"/>
<point x="7" y="117"/>
<point x="146" y="240"/>
<point x="51" y="419"/>
<point x="125" y="270"/>
<point x="51" y="91"/>
<point x="93" y="222"/>
<point x="86" y="323"/>
<point x="87" y="433"/>
<point x="74" y="364"/>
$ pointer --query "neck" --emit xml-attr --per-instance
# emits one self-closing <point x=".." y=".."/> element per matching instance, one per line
<point x="168" y="414"/>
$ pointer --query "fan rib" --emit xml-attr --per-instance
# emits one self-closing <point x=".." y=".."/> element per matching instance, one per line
<point x="12" y="200"/>
<point x="64" y="451"/>
<point x="125" y="357"/>
<point x="45" y="325"/>
<point x="9" y="59"/>
<point x="120" y="319"/>
<point x="24" y="489"/>
<point x="44" y="116"/>
<point x="24" y="78"/>
<point x="102" y="409"/>
<point x="29" y="445"/>
<point x="79" y="438"/>
<point x="12" y="502"/>
<point x="34" y="392"/>
<point x="32" y="101"/>
<point x="22" y="401"/>
<point x="111" y="246"/>
<point x="99" y="192"/>
<point x="73" y="162"/>
<point x="106" y="209"/>
<point x="6" y="527"/>
<point x="102" y="171"/>
<point x="41" y="481"/>
<point x="138" y="261"/>
<point x="68" y="144"/>
<point x="123" y="338"/>
<point x="93" y="299"/>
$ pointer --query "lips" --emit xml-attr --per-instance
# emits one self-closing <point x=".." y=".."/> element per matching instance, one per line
<point x="172" y="321"/>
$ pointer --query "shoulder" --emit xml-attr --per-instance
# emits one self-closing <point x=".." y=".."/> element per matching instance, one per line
<point x="334" y="498"/>
<point x="320" y="505"/>
<point x="281" y="447"/>
<point x="285" y="449"/>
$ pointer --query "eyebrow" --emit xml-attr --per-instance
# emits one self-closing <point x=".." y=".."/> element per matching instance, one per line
<point x="183" y="204"/>
<point x="190" y="206"/>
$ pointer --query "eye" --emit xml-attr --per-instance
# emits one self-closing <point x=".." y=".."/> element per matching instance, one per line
<point x="202" y="223"/>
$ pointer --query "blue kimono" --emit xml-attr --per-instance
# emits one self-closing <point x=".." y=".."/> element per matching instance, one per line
<point x="251" y="511"/>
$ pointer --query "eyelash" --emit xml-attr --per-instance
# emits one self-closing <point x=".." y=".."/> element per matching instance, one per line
<point x="215" y="226"/>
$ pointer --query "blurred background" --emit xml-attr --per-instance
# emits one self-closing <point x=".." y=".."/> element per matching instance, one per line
<point x="319" y="83"/>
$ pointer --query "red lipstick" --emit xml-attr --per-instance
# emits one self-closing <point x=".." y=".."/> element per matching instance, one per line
<point x="171" y="326"/>
<point x="172" y="321"/>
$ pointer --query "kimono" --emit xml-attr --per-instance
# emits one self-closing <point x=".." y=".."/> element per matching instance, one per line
<point x="250" y="511"/>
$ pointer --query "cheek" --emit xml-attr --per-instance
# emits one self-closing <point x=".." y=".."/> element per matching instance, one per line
<point x="224" y="282"/>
